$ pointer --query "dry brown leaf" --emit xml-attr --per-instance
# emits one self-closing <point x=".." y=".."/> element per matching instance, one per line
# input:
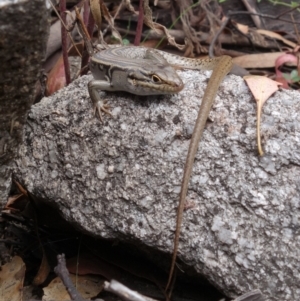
<point x="43" y="271"/>
<point x="129" y="6"/>
<point x="262" y="88"/>
<point x="11" y="201"/>
<point x="260" y="60"/>
<point x="87" y="286"/>
<point x="11" y="279"/>
<point x="242" y="28"/>
<point x="276" y="36"/>
<point x="56" y="78"/>
<point x="96" y="12"/>
<point x="90" y="264"/>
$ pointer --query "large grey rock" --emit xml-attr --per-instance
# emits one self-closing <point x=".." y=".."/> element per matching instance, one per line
<point x="121" y="179"/>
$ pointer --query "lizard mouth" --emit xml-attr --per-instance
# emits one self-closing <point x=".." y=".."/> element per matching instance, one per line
<point x="157" y="87"/>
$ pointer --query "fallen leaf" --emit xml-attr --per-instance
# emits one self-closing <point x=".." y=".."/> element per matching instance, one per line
<point x="11" y="279"/>
<point x="276" y="36"/>
<point x="242" y="28"/>
<point x="261" y="88"/>
<point x="56" y="78"/>
<point x="43" y="271"/>
<point x="281" y="60"/>
<point x="90" y="264"/>
<point x="87" y="286"/>
<point x="260" y="60"/>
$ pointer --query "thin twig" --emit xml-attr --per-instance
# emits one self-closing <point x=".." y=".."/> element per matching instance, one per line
<point x="230" y="13"/>
<point x="63" y="273"/>
<point x="90" y="28"/>
<point x="83" y="31"/>
<point x="62" y="22"/>
<point x="288" y="11"/>
<point x="86" y="10"/>
<point x="124" y="292"/>
<point x="139" y="27"/>
<point x="296" y="29"/>
<point x="215" y="38"/>
<point x="64" y="42"/>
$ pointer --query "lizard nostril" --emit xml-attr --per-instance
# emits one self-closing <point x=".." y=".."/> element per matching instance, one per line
<point x="179" y="84"/>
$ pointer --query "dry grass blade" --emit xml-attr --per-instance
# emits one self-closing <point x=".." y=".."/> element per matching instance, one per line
<point x="129" y="6"/>
<point x="99" y="10"/>
<point x="158" y="27"/>
<point x="84" y="33"/>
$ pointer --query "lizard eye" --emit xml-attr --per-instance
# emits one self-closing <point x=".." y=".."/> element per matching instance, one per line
<point x="156" y="79"/>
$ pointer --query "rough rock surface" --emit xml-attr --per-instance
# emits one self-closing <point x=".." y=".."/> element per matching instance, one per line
<point x="23" y="34"/>
<point x="121" y="179"/>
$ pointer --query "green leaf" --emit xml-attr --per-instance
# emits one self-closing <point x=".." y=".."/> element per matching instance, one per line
<point x="126" y="42"/>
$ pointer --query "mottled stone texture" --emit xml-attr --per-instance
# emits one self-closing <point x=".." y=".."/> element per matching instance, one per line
<point x="23" y="35"/>
<point x="121" y="179"/>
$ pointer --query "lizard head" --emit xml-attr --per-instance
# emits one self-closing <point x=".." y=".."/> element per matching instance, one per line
<point x="155" y="79"/>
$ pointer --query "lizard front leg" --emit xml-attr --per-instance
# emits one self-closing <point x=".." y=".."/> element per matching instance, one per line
<point x="99" y="105"/>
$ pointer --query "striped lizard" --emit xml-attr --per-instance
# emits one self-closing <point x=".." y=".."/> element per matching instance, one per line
<point x="144" y="71"/>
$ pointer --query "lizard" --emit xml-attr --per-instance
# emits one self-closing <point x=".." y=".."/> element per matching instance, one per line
<point x="143" y="71"/>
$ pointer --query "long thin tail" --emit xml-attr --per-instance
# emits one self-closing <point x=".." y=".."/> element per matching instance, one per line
<point x="222" y="66"/>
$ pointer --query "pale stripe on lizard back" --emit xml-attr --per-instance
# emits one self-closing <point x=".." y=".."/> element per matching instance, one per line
<point x="129" y="54"/>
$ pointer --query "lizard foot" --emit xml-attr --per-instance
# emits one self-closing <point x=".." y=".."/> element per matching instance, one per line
<point x="100" y="107"/>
